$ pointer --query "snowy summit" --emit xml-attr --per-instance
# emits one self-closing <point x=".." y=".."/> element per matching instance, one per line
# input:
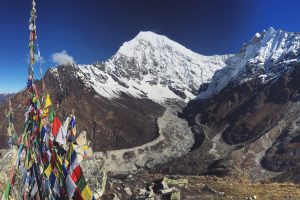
<point x="155" y="67"/>
<point x="152" y="66"/>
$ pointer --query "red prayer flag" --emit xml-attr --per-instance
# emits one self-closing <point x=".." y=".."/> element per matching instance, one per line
<point x="53" y="159"/>
<point x="77" y="174"/>
<point x="55" y="127"/>
<point x="50" y="144"/>
<point x="44" y="158"/>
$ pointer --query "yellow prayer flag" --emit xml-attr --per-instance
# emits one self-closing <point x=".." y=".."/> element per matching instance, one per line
<point x="66" y="163"/>
<point x="59" y="159"/>
<point x="71" y="149"/>
<point x="86" y="193"/>
<point x="48" y="170"/>
<point x="48" y="102"/>
<point x="45" y="112"/>
<point x="85" y="147"/>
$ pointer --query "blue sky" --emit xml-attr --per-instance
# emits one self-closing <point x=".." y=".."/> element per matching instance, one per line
<point x="91" y="30"/>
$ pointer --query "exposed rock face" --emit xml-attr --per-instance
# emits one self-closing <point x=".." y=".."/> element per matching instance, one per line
<point x="251" y="126"/>
<point x="110" y="124"/>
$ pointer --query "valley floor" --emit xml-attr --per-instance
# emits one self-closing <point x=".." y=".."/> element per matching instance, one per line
<point x="175" y="139"/>
<point x="200" y="187"/>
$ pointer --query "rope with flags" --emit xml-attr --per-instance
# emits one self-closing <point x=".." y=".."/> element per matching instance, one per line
<point x="46" y="161"/>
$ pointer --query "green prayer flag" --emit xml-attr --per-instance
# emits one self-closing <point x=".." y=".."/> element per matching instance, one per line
<point x="51" y="115"/>
<point x="81" y="183"/>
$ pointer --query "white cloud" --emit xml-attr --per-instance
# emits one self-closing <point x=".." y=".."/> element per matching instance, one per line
<point x="62" y="58"/>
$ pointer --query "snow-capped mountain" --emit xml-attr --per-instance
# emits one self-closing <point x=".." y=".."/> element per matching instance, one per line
<point x="155" y="67"/>
<point x="265" y="55"/>
<point x="151" y="66"/>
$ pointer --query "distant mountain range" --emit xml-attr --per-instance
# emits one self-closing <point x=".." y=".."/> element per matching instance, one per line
<point x="177" y="111"/>
<point x="5" y="96"/>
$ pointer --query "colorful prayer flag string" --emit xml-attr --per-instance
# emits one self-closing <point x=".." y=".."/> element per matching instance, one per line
<point x="46" y="158"/>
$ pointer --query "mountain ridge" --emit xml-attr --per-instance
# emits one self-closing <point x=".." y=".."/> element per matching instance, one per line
<point x="167" y="67"/>
<point x="140" y="63"/>
<point x="269" y="48"/>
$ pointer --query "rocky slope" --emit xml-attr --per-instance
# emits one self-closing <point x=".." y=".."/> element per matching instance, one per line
<point x="252" y="123"/>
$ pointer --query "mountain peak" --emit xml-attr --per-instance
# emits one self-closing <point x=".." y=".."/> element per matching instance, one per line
<point x="148" y="35"/>
<point x="274" y="46"/>
<point x="267" y="55"/>
<point x="271" y="30"/>
<point x="155" y="39"/>
<point x="159" y="61"/>
<point x="147" y="41"/>
<point x="268" y="34"/>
